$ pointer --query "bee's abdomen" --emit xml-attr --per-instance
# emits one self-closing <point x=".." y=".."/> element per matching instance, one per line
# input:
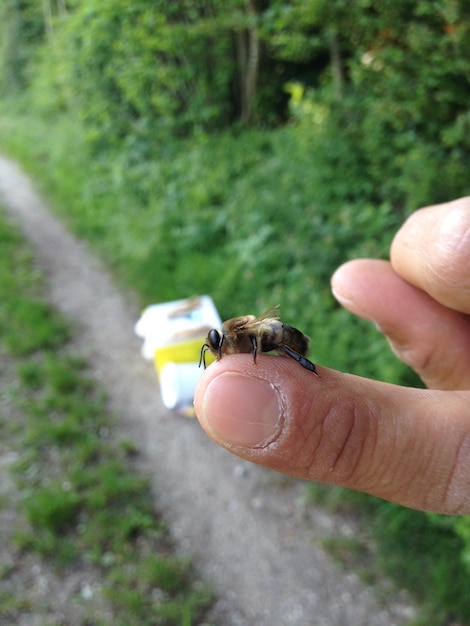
<point x="295" y="339"/>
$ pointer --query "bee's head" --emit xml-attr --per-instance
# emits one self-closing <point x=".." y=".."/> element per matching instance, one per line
<point x="213" y="343"/>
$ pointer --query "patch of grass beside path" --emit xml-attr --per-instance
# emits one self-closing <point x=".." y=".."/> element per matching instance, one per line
<point x="81" y="503"/>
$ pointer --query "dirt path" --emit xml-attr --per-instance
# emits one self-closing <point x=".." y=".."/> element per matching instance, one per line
<point x="246" y="528"/>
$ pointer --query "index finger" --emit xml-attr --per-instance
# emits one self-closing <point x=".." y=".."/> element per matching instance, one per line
<point x="432" y="251"/>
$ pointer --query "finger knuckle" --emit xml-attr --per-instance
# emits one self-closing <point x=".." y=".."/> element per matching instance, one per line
<point x="346" y="442"/>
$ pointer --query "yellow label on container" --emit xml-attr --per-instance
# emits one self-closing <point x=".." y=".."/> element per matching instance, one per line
<point x="181" y="352"/>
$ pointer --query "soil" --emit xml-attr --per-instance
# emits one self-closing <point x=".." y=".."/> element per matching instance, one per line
<point x="248" y="530"/>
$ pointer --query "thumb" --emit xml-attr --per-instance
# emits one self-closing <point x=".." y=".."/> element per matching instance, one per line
<point x="409" y="446"/>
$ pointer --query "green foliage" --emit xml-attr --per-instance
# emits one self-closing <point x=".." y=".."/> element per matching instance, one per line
<point x="30" y="374"/>
<point x="411" y="90"/>
<point x="424" y="553"/>
<point x="79" y="496"/>
<point x="419" y="551"/>
<point x="52" y="508"/>
<point x="462" y="527"/>
<point x="167" y="574"/>
<point x="135" y="71"/>
<point x="300" y="30"/>
<point x="394" y="94"/>
<point x="23" y="309"/>
<point x="21" y="32"/>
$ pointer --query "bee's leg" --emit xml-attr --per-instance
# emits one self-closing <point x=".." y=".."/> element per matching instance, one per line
<point x="255" y="347"/>
<point x="202" y="356"/>
<point x="301" y="360"/>
<point x="219" y="351"/>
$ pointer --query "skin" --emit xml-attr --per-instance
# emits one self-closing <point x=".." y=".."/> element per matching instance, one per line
<point x="409" y="446"/>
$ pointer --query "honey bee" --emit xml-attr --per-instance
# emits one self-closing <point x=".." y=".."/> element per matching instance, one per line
<point x="263" y="333"/>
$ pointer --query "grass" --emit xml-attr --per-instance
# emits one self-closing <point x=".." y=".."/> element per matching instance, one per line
<point x="418" y="551"/>
<point x="81" y="499"/>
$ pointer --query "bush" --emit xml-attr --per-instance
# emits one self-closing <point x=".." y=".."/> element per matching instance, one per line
<point x="136" y="71"/>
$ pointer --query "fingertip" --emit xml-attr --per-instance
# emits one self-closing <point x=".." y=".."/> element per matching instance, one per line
<point x="237" y="409"/>
<point x="357" y="283"/>
<point x="245" y="405"/>
<point x="340" y="282"/>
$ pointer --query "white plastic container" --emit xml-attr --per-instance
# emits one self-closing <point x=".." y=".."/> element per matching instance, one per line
<point x="173" y="334"/>
<point x="177" y="383"/>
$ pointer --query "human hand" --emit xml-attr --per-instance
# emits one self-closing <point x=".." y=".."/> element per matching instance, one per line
<point x="410" y="446"/>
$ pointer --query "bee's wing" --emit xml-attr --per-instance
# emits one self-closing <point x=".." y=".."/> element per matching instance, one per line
<point x="250" y="322"/>
<point x="272" y="313"/>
